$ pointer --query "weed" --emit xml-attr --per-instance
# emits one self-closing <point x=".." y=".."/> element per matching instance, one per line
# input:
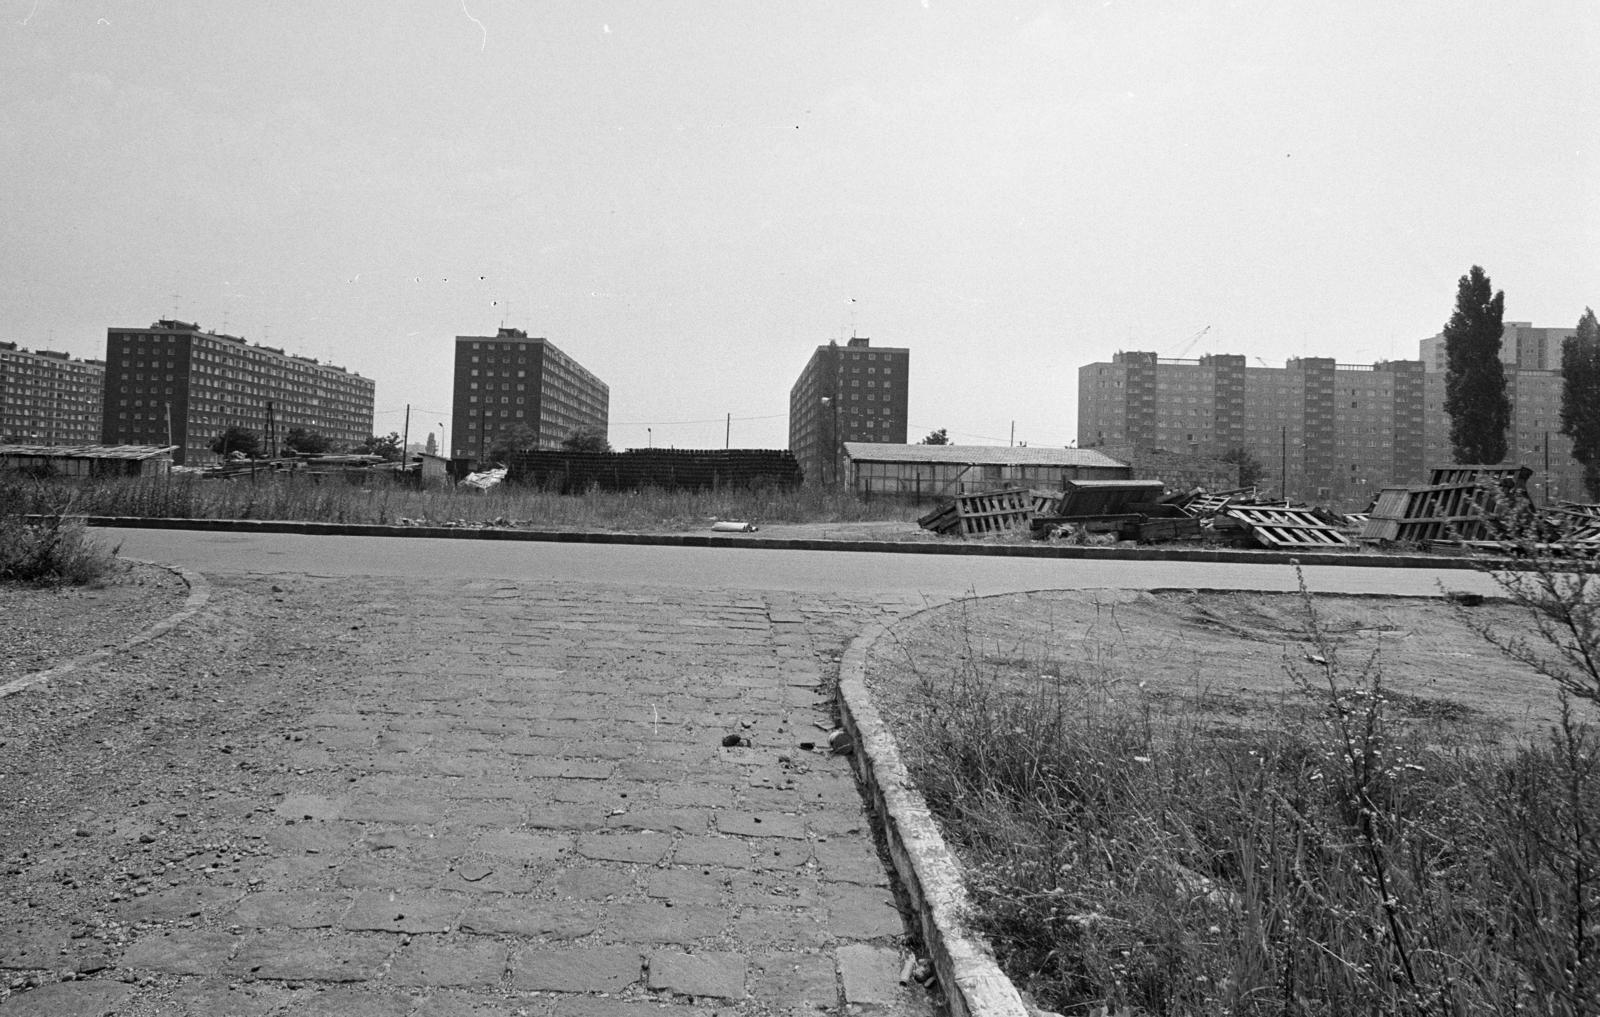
<point x="1333" y="857"/>
<point x="52" y="550"/>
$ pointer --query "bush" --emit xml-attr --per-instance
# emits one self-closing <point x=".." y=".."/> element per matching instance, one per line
<point x="50" y="551"/>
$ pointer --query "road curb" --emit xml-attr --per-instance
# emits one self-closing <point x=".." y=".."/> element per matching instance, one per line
<point x="1349" y="559"/>
<point x="199" y="596"/>
<point x="969" y="977"/>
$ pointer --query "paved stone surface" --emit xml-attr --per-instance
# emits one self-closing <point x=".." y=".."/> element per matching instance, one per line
<point x="871" y="975"/>
<point x="715" y="974"/>
<point x="495" y="797"/>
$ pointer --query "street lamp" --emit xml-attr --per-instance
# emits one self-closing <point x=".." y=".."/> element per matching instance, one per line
<point x="649" y="438"/>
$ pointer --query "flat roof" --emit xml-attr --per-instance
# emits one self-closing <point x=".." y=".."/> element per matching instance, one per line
<point x="978" y="455"/>
<point x="88" y="451"/>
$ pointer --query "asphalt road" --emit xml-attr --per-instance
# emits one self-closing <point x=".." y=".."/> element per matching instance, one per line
<point x="856" y="573"/>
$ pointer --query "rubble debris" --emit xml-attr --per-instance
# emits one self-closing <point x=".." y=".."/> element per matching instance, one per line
<point x="485" y="479"/>
<point x="1575" y="524"/>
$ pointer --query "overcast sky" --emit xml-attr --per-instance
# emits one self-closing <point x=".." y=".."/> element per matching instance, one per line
<point x="688" y="198"/>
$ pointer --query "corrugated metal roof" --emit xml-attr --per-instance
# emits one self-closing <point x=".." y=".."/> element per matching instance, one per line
<point x="979" y="455"/>
<point x="88" y="451"/>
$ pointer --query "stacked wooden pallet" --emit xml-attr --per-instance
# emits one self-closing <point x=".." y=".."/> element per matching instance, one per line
<point x="1457" y="505"/>
<point x="982" y="513"/>
<point x="1292" y="528"/>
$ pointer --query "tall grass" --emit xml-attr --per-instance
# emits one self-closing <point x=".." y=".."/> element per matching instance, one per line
<point x="290" y="497"/>
<point x="1125" y="857"/>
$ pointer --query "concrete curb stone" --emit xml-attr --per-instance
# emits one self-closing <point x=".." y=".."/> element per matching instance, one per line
<point x="1352" y="559"/>
<point x="969" y="977"/>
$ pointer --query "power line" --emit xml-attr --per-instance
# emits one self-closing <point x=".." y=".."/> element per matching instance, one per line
<point x="707" y="420"/>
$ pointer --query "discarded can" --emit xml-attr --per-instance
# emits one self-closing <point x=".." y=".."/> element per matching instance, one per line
<point x="839" y="741"/>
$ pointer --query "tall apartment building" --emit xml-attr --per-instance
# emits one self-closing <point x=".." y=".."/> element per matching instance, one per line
<point x="846" y="393"/>
<point x="1325" y="431"/>
<point x="49" y="398"/>
<point x="508" y="381"/>
<point x="175" y="384"/>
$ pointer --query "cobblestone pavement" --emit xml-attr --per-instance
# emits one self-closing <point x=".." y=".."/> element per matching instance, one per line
<point x="451" y="798"/>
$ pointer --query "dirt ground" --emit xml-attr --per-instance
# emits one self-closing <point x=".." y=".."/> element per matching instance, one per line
<point x="113" y="775"/>
<point x="1223" y="657"/>
<point x="46" y="627"/>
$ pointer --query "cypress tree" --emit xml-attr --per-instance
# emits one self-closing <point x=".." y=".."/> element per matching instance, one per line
<point x="1475" y="380"/>
<point x="1580" y="398"/>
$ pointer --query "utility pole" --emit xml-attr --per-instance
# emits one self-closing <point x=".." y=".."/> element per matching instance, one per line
<point x="727" y="433"/>
<point x="1284" y="465"/>
<point x="405" y="438"/>
<point x="1547" y="496"/>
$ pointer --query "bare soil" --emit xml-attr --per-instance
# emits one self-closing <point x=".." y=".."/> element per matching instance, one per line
<point x="1228" y="659"/>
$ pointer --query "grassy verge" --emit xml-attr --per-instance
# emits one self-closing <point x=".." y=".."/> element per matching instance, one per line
<point x="1323" y="856"/>
<point x="289" y="497"/>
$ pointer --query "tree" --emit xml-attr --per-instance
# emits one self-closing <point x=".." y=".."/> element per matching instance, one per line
<point x="1251" y="472"/>
<point x="1475" y="380"/>
<point x="432" y="447"/>
<point x="387" y="446"/>
<point x="236" y="439"/>
<point x="938" y="437"/>
<point x="586" y="439"/>
<point x="306" y="442"/>
<point x="509" y="440"/>
<point x="1580" y="398"/>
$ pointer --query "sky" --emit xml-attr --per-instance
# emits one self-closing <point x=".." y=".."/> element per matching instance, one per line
<point x="689" y="198"/>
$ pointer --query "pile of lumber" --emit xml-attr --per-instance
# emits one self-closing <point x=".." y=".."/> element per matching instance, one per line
<point x="1108" y="509"/>
<point x="1104" y="511"/>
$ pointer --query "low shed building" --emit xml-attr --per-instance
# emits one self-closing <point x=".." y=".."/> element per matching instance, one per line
<point x="88" y="460"/>
<point x="878" y="470"/>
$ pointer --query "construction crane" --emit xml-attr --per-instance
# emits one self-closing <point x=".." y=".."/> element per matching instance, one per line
<point x="1189" y="344"/>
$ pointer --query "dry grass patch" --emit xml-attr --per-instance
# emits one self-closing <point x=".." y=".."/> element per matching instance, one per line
<point x="1244" y="804"/>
